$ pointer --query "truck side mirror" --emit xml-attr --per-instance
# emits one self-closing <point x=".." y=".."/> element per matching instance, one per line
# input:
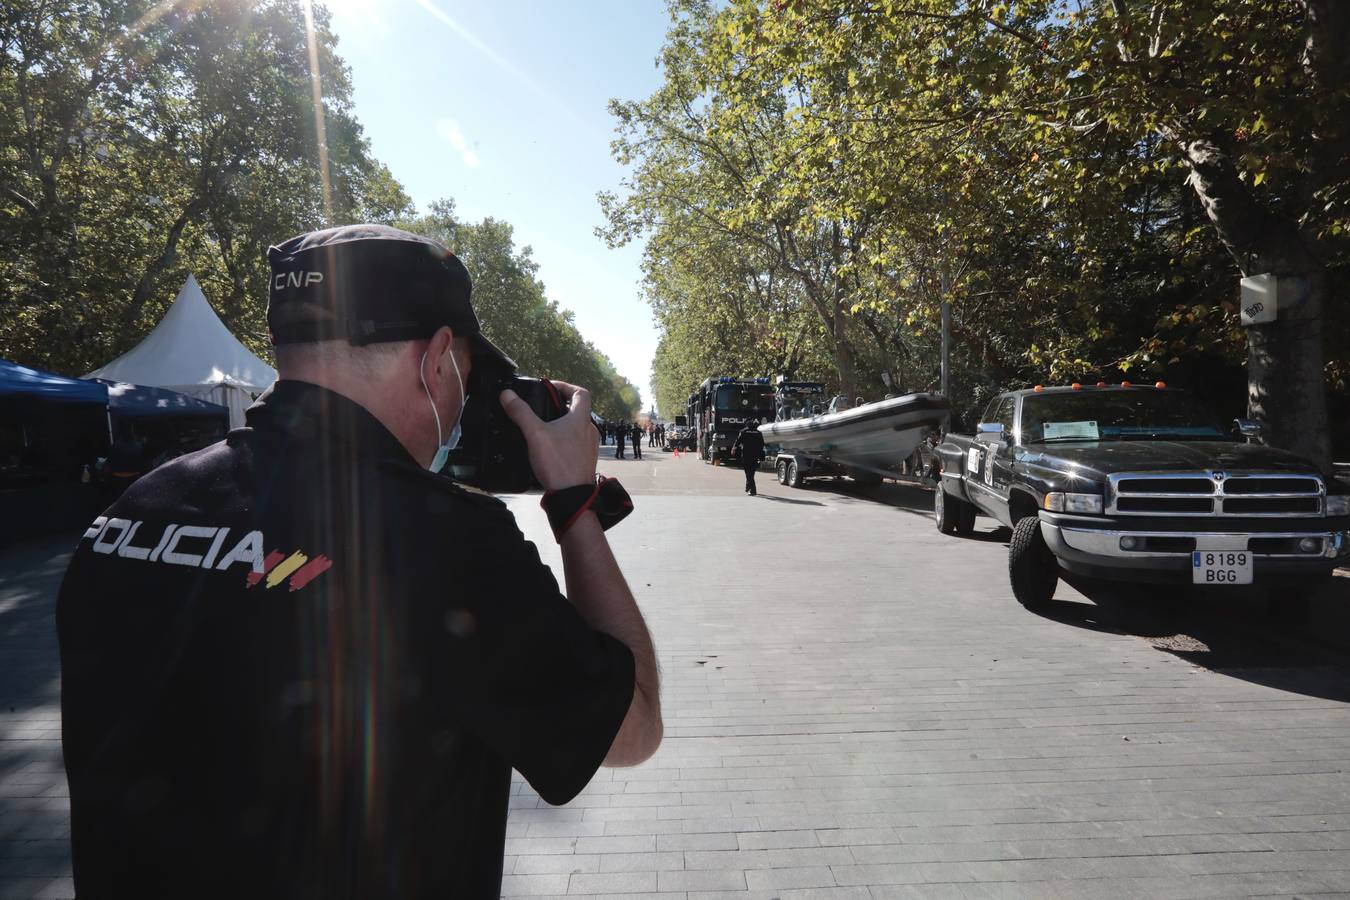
<point x="1247" y="428"/>
<point x="991" y="432"/>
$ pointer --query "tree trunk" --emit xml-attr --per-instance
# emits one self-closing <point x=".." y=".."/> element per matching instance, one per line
<point x="146" y="286"/>
<point x="1286" y="389"/>
<point x="843" y="358"/>
<point x="1286" y="381"/>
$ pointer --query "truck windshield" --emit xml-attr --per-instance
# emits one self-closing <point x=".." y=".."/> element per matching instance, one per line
<point x="1116" y="415"/>
<point x="739" y="400"/>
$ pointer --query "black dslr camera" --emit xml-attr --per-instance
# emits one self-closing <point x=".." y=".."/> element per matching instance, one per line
<point x="492" y="454"/>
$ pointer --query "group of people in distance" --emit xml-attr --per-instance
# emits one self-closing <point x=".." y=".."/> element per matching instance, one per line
<point x="621" y="433"/>
<point x="630" y="433"/>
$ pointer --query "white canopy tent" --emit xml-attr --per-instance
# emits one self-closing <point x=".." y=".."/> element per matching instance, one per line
<point x="192" y="352"/>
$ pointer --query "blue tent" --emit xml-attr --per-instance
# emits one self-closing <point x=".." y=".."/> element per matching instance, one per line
<point x="21" y="382"/>
<point x="139" y="401"/>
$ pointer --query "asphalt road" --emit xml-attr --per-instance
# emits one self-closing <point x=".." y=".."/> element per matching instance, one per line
<point x="856" y="707"/>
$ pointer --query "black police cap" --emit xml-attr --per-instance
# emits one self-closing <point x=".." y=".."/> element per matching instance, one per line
<point x="369" y="284"/>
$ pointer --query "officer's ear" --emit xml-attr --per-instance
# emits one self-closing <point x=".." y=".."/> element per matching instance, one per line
<point x="437" y="344"/>
<point x="463" y="351"/>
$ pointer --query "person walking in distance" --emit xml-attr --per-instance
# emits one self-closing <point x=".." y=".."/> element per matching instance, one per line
<point x="750" y="445"/>
<point x="636" y="435"/>
<point x="620" y="429"/>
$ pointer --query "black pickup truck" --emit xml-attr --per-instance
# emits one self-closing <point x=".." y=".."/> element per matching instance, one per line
<point x="1143" y="484"/>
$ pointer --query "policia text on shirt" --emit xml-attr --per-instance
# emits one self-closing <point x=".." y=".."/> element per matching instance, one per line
<point x="301" y="663"/>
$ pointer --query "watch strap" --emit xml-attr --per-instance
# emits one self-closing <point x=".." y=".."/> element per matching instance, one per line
<point x="606" y="498"/>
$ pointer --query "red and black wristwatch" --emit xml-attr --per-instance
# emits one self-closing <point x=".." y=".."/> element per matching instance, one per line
<point x="606" y="498"/>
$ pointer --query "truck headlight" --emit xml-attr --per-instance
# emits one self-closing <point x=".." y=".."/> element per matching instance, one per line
<point x="1057" y="501"/>
<point x="1338" y="505"/>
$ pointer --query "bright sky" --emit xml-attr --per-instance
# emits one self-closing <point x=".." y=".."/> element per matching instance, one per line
<point x="501" y="106"/>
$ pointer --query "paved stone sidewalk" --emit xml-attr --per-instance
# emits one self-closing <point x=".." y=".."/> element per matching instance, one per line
<point x="856" y="708"/>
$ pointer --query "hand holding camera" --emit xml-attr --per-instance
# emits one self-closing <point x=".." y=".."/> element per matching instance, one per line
<point x="562" y="452"/>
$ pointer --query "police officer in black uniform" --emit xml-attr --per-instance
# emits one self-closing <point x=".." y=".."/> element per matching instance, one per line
<point x="750" y="445"/>
<point x="300" y="663"/>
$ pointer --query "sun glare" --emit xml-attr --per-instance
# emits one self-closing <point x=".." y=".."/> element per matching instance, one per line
<point x="362" y="11"/>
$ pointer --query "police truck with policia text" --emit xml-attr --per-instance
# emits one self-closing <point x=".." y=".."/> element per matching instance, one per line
<point x="722" y="406"/>
<point x="1141" y="483"/>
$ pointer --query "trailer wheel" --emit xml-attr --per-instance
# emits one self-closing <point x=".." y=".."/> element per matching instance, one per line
<point x="1032" y="568"/>
<point x="782" y="471"/>
<point x="952" y="514"/>
<point x="794" y="478"/>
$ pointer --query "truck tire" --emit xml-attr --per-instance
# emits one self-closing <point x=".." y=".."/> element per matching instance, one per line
<point x="782" y="471"/>
<point x="952" y="514"/>
<point x="794" y="478"/>
<point x="1032" y="568"/>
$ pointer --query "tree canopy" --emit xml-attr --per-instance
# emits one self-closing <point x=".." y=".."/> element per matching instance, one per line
<point x="142" y="141"/>
<point x="517" y="315"/>
<point x="1084" y="182"/>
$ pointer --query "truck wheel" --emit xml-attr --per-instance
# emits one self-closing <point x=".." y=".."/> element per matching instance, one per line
<point x="965" y="519"/>
<point x="1032" y="568"/>
<point x="782" y="471"/>
<point x="794" y="478"/>
<point x="952" y="514"/>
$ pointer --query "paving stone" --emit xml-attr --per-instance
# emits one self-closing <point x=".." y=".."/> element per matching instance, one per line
<point x="556" y="864"/>
<point x="531" y="885"/>
<point x="629" y="843"/>
<point x="795" y="877"/>
<point x="642" y="862"/>
<point x="773" y="840"/>
<point x="720" y="840"/>
<point x="702" y="880"/>
<point x="613" y="883"/>
<point x="826" y="893"/>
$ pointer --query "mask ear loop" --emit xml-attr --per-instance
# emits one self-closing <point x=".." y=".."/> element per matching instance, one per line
<point x="422" y="374"/>
<point x="459" y="379"/>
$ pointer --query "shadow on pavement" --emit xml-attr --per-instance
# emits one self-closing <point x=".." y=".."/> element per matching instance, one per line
<point x="1231" y="635"/>
<point x="790" y="500"/>
<point x="903" y="497"/>
<point x="35" y="827"/>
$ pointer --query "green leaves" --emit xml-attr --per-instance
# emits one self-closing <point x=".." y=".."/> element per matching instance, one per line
<point x="1027" y="155"/>
<point x="143" y="154"/>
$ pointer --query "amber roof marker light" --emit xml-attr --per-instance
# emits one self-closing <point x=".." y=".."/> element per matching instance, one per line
<point x="1160" y="385"/>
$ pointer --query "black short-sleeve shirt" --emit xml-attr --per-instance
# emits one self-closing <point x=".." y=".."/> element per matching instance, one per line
<point x="295" y="664"/>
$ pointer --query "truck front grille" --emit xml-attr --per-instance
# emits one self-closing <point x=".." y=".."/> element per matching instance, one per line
<point x="1214" y="494"/>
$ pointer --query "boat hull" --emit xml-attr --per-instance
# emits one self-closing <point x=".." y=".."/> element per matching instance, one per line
<point x="879" y="435"/>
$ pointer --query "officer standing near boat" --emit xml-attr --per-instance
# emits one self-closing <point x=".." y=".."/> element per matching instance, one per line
<point x="750" y="445"/>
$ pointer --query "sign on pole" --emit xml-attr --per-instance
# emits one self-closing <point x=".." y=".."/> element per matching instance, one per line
<point x="1260" y="299"/>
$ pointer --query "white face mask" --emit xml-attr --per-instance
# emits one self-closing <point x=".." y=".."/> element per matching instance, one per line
<point x="451" y="441"/>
